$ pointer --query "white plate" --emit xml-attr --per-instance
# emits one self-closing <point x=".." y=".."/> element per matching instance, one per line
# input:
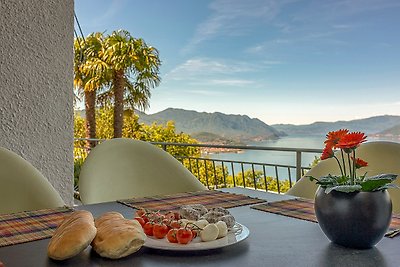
<point x="237" y="234"/>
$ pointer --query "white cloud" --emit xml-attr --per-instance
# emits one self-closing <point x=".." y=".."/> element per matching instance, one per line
<point x="232" y="82"/>
<point x="232" y="16"/>
<point x="321" y="21"/>
<point x="205" y="67"/>
<point x="327" y="18"/>
<point x="204" y="92"/>
<point x="259" y="48"/>
<point x="326" y="37"/>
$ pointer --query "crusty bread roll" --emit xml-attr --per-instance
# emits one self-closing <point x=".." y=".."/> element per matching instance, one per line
<point x="117" y="237"/>
<point x="108" y="216"/>
<point x="72" y="236"/>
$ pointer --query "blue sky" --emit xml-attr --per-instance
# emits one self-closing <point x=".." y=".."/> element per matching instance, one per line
<point x="282" y="61"/>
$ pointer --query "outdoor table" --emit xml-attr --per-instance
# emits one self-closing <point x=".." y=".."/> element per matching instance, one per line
<point x="274" y="240"/>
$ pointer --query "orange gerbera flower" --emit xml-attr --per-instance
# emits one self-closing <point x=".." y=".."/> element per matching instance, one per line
<point x="332" y="138"/>
<point x="360" y="163"/>
<point x="327" y="153"/>
<point x="351" y="140"/>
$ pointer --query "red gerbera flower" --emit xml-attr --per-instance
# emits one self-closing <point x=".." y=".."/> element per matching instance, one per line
<point x="360" y="163"/>
<point x="351" y="140"/>
<point x="327" y="153"/>
<point x="332" y="138"/>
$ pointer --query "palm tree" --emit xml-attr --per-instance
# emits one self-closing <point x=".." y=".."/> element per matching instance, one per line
<point x="121" y="67"/>
<point x="89" y="76"/>
<point x="134" y="70"/>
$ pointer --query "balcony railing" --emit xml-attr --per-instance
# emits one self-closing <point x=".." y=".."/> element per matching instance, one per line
<point x="218" y="173"/>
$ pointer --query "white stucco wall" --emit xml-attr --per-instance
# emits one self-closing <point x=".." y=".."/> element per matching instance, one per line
<point x="36" y="81"/>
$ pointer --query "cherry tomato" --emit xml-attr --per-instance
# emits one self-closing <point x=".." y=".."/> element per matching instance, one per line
<point x="184" y="235"/>
<point x="145" y="218"/>
<point x="140" y="220"/>
<point x="171" y="235"/>
<point x="160" y="230"/>
<point x="175" y="224"/>
<point x="148" y="228"/>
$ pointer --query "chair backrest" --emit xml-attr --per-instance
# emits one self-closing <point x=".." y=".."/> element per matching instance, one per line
<point x="124" y="168"/>
<point x="23" y="187"/>
<point x="382" y="157"/>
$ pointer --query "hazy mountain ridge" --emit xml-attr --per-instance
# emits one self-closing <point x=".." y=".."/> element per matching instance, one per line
<point x="372" y="125"/>
<point x="232" y="129"/>
<point x="393" y="131"/>
<point x="237" y="127"/>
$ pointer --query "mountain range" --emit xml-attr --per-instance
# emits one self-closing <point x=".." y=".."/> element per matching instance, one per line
<point x="233" y="129"/>
<point x="218" y="126"/>
<point x="393" y="131"/>
<point x="205" y="126"/>
<point x="373" y="126"/>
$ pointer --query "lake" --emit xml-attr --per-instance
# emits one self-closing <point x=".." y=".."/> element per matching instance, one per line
<point x="278" y="157"/>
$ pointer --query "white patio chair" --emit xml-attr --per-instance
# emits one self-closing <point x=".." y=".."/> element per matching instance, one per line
<point x="23" y="187"/>
<point x="124" y="168"/>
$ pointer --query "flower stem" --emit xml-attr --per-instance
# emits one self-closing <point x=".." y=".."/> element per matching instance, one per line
<point x="354" y="165"/>
<point x="344" y="165"/>
<point x="340" y="167"/>
<point x="350" y="171"/>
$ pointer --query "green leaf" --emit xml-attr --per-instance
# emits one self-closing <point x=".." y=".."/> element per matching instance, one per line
<point x="372" y="185"/>
<point x="328" y="180"/>
<point x="344" y="188"/>
<point x="378" y="181"/>
<point x="389" y="176"/>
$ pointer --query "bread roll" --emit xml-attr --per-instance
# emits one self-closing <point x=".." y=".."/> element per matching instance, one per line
<point x="72" y="236"/>
<point x="106" y="217"/>
<point x="117" y="237"/>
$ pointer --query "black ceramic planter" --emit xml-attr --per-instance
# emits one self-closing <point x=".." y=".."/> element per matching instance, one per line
<point x="355" y="220"/>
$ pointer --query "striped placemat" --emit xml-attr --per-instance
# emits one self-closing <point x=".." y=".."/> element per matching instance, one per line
<point x="208" y="198"/>
<point x="303" y="209"/>
<point x="28" y="226"/>
<point x="297" y="208"/>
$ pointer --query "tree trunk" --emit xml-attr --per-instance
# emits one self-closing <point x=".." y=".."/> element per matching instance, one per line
<point x="119" y="85"/>
<point x="90" y="101"/>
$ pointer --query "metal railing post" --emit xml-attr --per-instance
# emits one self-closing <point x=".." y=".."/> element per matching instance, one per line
<point x="298" y="165"/>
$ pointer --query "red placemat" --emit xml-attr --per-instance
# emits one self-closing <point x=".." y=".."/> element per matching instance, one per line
<point x="208" y="198"/>
<point x="28" y="226"/>
<point x="303" y="209"/>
